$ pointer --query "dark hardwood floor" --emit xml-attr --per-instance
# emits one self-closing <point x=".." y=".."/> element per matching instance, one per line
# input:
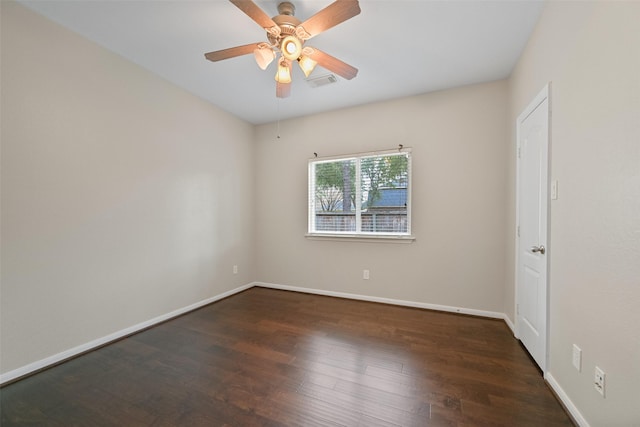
<point x="272" y="358"/>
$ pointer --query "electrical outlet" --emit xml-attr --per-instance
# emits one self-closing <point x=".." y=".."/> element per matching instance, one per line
<point x="577" y="358"/>
<point x="599" y="381"/>
<point x="235" y="269"/>
<point x="365" y="274"/>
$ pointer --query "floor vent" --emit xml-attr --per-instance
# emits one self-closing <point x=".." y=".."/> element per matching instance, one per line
<point x="322" y="80"/>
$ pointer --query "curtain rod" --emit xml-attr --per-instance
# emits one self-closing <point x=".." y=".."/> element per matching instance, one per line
<point x="389" y="151"/>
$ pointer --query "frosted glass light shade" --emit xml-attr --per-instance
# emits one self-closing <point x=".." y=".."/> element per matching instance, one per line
<point x="284" y="73"/>
<point x="306" y="65"/>
<point x="264" y="57"/>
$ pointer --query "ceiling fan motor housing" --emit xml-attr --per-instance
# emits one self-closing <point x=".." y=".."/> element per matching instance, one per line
<point x="286" y="8"/>
<point x="287" y="24"/>
<point x="287" y="34"/>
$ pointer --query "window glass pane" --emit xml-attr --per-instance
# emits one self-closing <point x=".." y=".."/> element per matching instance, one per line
<point x="367" y="193"/>
<point x="335" y="196"/>
<point x="384" y="182"/>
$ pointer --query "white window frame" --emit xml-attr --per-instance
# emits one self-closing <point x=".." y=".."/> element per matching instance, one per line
<point x="403" y="237"/>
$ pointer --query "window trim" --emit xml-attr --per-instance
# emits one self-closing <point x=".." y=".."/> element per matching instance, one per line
<point x="362" y="236"/>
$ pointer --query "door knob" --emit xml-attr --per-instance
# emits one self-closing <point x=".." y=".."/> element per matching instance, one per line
<point x="540" y="249"/>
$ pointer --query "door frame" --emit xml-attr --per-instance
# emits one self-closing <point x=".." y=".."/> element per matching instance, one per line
<point x="543" y="95"/>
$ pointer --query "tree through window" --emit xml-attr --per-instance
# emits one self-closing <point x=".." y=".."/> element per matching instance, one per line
<point x="363" y="194"/>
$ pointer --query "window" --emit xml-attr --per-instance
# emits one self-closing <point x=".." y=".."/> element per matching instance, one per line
<point x="362" y="195"/>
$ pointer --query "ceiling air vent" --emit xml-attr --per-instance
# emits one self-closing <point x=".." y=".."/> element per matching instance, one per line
<point x="322" y="80"/>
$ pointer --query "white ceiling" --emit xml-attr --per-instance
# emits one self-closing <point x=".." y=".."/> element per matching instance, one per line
<point x="401" y="48"/>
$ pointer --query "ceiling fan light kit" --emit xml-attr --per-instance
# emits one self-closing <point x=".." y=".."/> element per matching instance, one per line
<point x="291" y="47"/>
<point x="284" y="72"/>
<point x="287" y="36"/>
<point x="264" y="56"/>
<point x="306" y="65"/>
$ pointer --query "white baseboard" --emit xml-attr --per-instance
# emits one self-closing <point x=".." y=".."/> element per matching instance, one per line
<point x="564" y="398"/>
<point x="57" y="358"/>
<point x="509" y="324"/>
<point x="461" y="310"/>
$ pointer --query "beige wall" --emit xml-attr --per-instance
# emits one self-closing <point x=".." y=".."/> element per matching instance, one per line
<point x="590" y="52"/>
<point x="459" y="144"/>
<point x="123" y="197"/>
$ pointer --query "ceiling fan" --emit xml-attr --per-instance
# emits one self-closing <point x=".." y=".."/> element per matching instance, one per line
<point x="286" y="37"/>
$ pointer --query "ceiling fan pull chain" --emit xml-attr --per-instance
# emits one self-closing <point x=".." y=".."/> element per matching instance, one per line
<point x="278" y="125"/>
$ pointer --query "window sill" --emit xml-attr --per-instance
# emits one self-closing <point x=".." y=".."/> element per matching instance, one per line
<point x="389" y="238"/>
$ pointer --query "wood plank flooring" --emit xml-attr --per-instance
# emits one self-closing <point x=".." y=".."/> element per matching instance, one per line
<point x="275" y="358"/>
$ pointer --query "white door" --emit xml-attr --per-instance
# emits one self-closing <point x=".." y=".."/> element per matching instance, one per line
<point x="532" y="216"/>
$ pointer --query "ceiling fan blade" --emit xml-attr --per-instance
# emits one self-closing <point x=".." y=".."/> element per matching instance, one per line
<point x="254" y="12"/>
<point x="331" y="63"/>
<point x="232" y="52"/>
<point x="332" y="15"/>
<point x="283" y="90"/>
